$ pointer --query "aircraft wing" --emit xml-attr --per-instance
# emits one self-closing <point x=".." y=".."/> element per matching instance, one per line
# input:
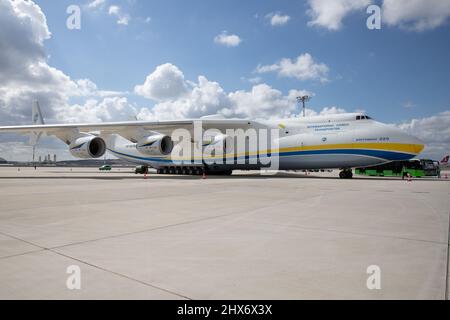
<point x="129" y="129"/>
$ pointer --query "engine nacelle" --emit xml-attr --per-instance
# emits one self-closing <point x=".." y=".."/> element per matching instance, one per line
<point x="89" y="147"/>
<point x="157" y="145"/>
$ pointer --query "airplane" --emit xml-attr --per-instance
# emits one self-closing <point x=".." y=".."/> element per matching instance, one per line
<point x="336" y="141"/>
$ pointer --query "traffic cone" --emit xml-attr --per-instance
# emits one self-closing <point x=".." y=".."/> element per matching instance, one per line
<point x="409" y="177"/>
<point x="446" y="176"/>
<point x="145" y="176"/>
<point x="204" y="175"/>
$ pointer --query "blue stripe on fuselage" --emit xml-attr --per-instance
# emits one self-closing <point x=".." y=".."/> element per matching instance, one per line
<point x="385" y="155"/>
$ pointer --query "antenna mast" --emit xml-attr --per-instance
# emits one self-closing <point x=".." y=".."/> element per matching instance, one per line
<point x="303" y="100"/>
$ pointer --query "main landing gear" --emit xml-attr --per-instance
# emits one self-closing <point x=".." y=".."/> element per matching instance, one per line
<point x="346" y="174"/>
<point x="194" y="171"/>
<point x="187" y="171"/>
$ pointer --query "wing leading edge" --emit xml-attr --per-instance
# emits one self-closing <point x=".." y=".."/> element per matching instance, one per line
<point x="125" y="128"/>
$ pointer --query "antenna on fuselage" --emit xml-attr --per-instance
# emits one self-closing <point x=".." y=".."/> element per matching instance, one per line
<point x="303" y="100"/>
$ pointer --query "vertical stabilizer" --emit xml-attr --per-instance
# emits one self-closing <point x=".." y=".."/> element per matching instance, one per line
<point x="37" y="114"/>
<point x="37" y="119"/>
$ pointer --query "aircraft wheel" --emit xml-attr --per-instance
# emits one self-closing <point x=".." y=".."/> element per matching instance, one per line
<point x="346" y="174"/>
<point x="227" y="173"/>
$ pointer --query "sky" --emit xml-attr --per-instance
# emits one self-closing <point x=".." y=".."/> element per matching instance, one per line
<point x="248" y="59"/>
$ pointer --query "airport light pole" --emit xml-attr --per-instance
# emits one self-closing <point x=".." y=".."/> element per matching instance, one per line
<point x="34" y="154"/>
<point x="303" y="100"/>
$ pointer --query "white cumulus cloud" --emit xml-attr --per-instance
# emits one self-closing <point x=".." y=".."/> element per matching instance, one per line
<point x="228" y="40"/>
<point x="303" y="68"/>
<point x="416" y="15"/>
<point x="434" y="131"/>
<point x="278" y="19"/>
<point x="330" y="13"/>
<point x="26" y="76"/>
<point x="95" y="4"/>
<point x="179" y="98"/>
<point x="122" y="18"/>
<point x="93" y="110"/>
<point x="166" y="82"/>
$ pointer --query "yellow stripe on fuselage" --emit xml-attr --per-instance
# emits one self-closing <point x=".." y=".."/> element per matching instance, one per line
<point x="393" y="147"/>
<point x="396" y="147"/>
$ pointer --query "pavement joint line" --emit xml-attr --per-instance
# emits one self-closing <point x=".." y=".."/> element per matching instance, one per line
<point x="142" y="231"/>
<point x="19" y="239"/>
<point x="136" y="232"/>
<point x="146" y="230"/>
<point x="22" y="254"/>
<point x="150" y="229"/>
<point x="121" y="275"/>
<point x="236" y="217"/>
<point x="170" y="225"/>
<point x="118" y="200"/>
<point x="355" y="233"/>
<point x="43" y="249"/>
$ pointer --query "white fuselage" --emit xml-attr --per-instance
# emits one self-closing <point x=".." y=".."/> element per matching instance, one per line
<point x="334" y="141"/>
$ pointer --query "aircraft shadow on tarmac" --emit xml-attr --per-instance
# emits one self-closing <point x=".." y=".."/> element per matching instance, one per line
<point x="248" y="176"/>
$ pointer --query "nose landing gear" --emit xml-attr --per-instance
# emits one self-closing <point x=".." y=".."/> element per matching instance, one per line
<point x="346" y="174"/>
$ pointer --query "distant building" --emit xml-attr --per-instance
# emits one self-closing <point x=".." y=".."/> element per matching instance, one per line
<point x="3" y="161"/>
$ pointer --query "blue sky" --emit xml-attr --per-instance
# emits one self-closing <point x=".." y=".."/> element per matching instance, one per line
<point x="185" y="59"/>
<point x="380" y="71"/>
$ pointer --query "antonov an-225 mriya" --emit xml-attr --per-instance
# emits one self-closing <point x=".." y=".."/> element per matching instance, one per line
<point x="339" y="141"/>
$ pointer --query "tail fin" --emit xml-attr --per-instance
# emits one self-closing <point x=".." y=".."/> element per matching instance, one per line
<point x="445" y="160"/>
<point x="37" y="119"/>
<point x="37" y="114"/>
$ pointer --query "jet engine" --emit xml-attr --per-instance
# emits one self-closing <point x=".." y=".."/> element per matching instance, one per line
<point x="89" y="147"/>
<point x="157" y="145"/>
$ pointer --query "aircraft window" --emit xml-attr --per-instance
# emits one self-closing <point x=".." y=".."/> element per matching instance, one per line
<point x="368" y="118"/>
<point x="358" y="117"/>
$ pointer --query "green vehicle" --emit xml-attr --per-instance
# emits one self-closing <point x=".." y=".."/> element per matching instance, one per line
<point x="430" y="167"/>
<point x="105" y="168"/>
<point x="394" y="169"/>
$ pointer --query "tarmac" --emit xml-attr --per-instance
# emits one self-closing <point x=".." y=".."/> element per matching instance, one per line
<point x="288" y="236"/>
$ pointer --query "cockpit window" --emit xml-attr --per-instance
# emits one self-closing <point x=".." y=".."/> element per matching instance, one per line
<point x="363" y="118"/>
